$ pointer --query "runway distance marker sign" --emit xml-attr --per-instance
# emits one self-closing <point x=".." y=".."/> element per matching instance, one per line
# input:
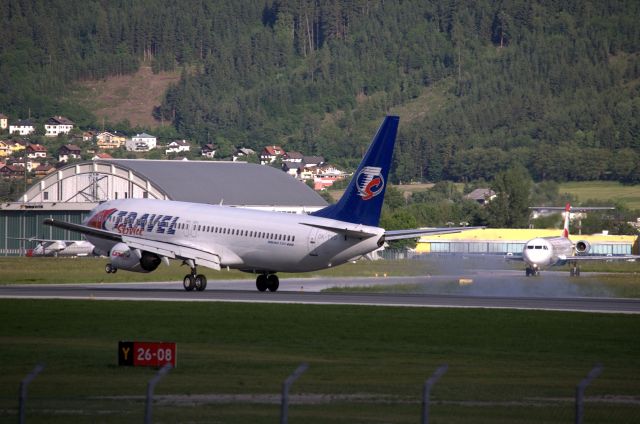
<point x="146" y="354"/>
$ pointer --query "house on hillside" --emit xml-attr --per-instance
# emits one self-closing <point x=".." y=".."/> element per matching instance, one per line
<point x="313" y="160"/>
<point x="292" y="157"/>
<point x="16" y="146"/>
<point x="177" y="146"/>
<point x="21" y="163"/>
<point x="4" y="121"/>
<point x="208" y="150"/>
<point x="57" y="125"/>
<point x="4" y="148"/>
<point x="43" y="170"/>
<point x="242" y="152"/>
<point x="88" y="136"/>
<point x="270" y="154"/>
<point x="35" y="151"/>
<point x="325" y="176"/>
<point x="22" y="127"/>
<point x="107" y="141"/>
<point x="99" y="156"/>
<point x="481" y="195"/>
<point x="141" y="143"/>
<point x="11" y="171"/>
<point x="292" y="168"/>
<point x="68" y="152"/>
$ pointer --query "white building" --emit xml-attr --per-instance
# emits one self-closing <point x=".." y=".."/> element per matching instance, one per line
<point x="57" y="125"/>
<point x="141" y="143"/>
<point x="22" y="127"/>
<point x="177" y="146"/>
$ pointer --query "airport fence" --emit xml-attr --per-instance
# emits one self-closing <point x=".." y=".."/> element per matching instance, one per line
<point x="310" y="408"/>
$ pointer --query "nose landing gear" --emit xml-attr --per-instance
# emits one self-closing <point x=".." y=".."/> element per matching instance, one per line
<point x="529" y="271"/>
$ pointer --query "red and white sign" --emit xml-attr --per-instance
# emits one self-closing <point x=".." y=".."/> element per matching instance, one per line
<point x="147" y="354"/>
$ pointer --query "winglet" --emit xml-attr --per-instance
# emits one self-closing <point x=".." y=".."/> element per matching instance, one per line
<point x="361" y="202"/>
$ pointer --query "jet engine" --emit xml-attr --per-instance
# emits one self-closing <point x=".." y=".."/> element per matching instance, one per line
<point x="583" y="247"/>
<point x="122" y="257"/>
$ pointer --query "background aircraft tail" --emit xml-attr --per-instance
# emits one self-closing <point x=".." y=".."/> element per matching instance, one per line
<point x="567" y="214"/>
<point x="361" y="202"/>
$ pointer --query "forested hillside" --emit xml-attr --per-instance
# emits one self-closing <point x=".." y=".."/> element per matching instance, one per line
<point x="553" y="85"/>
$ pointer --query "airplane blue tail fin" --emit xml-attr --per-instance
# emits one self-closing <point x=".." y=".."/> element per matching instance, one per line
<point x="361" y="202"/>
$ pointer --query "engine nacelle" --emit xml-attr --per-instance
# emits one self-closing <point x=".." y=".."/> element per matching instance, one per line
<point x="583" y="247"/>
<point x="133" y="259"/>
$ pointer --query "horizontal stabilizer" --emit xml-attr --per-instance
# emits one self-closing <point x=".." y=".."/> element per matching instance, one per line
<point x="349" y="232"/>
<point x="419" y="232"/>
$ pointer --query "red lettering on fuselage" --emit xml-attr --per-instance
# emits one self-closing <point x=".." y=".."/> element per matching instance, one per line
<point x="124" y="230"/>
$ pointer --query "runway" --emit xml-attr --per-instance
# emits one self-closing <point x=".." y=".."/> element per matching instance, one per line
<point x="307" y="291"/>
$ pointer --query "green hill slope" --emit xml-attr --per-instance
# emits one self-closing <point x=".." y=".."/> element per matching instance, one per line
<point x="479" y="86"/>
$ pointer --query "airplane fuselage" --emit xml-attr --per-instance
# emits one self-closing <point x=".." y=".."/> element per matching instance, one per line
<point x="543" y="252"/>
<point x="244" y="239"/>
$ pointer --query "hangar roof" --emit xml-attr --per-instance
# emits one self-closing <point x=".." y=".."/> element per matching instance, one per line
<point x="233" y="183"/>
<point x="521" y="235"/>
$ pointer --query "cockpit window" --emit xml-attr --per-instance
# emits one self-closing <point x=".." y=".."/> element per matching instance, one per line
<point x="529" y="247"/>
<point x="538" y="247"/>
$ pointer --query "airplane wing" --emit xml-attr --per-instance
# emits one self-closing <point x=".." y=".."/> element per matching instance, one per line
<point x="83" y="229"/>
<point x="43" y="240"/>
<point x="419" y="232"/>
<point x="199" y="254"/>
<point x="600" y="258"/>
<point x="175" y="251"/>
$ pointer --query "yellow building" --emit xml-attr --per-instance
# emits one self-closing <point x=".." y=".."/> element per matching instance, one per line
<point x="501" y="241"/>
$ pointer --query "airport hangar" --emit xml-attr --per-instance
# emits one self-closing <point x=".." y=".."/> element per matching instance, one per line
<point x="501" y="241"/>
<point x="72" y="191"/>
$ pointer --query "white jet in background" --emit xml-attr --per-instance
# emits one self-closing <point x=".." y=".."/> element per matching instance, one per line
<point x="544" y="252"/>
<point x="49" y="247"/>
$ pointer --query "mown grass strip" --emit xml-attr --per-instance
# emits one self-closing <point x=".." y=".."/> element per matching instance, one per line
<point x="494" y="357"/>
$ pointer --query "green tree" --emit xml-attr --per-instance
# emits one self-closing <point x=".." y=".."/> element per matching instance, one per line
<point x="510" y="208"/>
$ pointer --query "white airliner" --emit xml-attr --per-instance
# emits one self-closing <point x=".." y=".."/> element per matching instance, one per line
<point x="139" y="234"/>
<point x="49" y="247"/>
<point x="544" y="252"/>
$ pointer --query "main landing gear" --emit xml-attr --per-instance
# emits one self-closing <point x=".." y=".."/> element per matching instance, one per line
<point x="575" y="270"/>
<point x="267" y="281"/>
<point x="194" y="281"/>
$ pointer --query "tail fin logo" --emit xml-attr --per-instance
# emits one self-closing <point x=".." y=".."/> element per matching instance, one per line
<point x="369" y="182"/>
<point x="99" y="220"/>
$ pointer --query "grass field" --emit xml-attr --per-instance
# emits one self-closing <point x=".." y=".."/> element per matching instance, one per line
<point x="22" y="270"/>
<point x="504" y="366"/>
<point x="604" y="190"/>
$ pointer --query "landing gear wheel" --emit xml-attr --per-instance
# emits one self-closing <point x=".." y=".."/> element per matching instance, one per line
<point x="189" y="282"/>
<point x="110" y="269"/>
<point x="200" y="282"/>
<point x="528" y="271"/>
<point x="273" y="282"/>
<point x="261" y="282"/>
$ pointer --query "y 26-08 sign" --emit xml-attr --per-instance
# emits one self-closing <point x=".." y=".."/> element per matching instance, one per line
<point x="147" y="354"/>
